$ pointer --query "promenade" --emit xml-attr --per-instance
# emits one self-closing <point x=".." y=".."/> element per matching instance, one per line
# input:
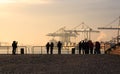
<point x="60" y="64"/>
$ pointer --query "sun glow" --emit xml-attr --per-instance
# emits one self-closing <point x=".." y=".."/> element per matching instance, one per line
<point x="6" y="1"/>
<point x="36" y="1"/>
<point x="26" y="1"/>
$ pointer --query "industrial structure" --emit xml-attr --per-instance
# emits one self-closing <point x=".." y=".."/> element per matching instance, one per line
<point x="113" y="27"/>
<point x="65" y="36"/>
<point x="84" y="30"/>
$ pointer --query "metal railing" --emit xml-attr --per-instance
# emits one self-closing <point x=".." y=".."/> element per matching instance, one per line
<point x="34" y="50"/>
<point x="39" y="50"/>
<point x="8" y="49"/>
<point x="42" y="50"/>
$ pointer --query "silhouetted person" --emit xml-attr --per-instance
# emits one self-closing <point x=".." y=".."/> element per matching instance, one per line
<point x="51" y="47"/>
<point x="47" y="47"/>
<point x="14" y="46"/>
<point x="86" y="47"/>
<point x="59" y="45"/>
<point x="91" y="45"/>
<point x="80" y="47"/>
<point x="97" y="48"/>
<point x="83" y="47"/>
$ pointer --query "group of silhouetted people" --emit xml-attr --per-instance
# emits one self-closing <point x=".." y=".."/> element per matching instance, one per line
<point x="50" y="46"/>
<point x="85" y="47"/>
<point x="88" y="47"/>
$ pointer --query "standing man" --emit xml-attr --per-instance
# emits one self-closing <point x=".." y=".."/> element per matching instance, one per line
<point x="59" y="45"/>
<point x="97" y="48"/>
<point x="51" y="47"/>
<point x="91" y="45"/>
<point x="80" y="47"/>
<point x="47" y="47"/>
<point x="14" y="46"/>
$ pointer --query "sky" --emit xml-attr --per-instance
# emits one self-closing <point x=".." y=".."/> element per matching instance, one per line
<point x="29" y="21"/>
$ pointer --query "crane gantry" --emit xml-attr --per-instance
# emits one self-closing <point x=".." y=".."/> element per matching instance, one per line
<point x="85" y="29"/>
<point x="66" y="35"/>
<point x="107" y="27"/>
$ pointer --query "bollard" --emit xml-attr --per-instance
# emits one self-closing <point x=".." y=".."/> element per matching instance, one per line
<point x="22" y="50"/>
<point x="73" y="50"/>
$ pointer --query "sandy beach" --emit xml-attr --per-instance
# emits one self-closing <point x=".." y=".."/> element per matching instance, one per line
<point x="60" y="64"/>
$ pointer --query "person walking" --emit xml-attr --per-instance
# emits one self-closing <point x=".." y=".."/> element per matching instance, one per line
<point x="14" y="46"/>
<point x="59" y="45"/>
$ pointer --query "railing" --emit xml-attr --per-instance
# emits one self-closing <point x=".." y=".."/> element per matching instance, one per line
<point x="34" y="50"/>
<point x="112" y="48"/>
<point x="8" y="49"/>
<point x="40" y="50"/>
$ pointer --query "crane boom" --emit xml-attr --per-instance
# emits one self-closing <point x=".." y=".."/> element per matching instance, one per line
<point x="82" y="31"/>
<point x="109" y="28"/>
<point x="113" y="28"/>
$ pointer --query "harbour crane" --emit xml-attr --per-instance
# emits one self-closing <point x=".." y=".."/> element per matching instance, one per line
<point x="113" y="28"/>
<point x="63" y="36"/>
<point x="66" y="36"/>
<point x="86" y="30"/>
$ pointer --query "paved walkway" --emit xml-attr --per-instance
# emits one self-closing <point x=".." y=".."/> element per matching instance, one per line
<point x="60" y="64"/>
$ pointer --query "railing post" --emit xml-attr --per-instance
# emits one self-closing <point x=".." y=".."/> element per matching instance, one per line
<point x="7" y="49"/>
<point x="17" y="50"/>
<point x="33" y="50"/>
<point x="26" y="49"/>
<point x="41" y="49"/>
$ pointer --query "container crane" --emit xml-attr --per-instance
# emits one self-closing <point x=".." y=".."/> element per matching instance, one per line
<point x="113" y="28"/>
<point x="63" y="36"/>
<point x="86" y="30"/>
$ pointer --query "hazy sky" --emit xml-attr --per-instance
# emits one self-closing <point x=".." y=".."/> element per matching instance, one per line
<point x="28" y="21"/>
